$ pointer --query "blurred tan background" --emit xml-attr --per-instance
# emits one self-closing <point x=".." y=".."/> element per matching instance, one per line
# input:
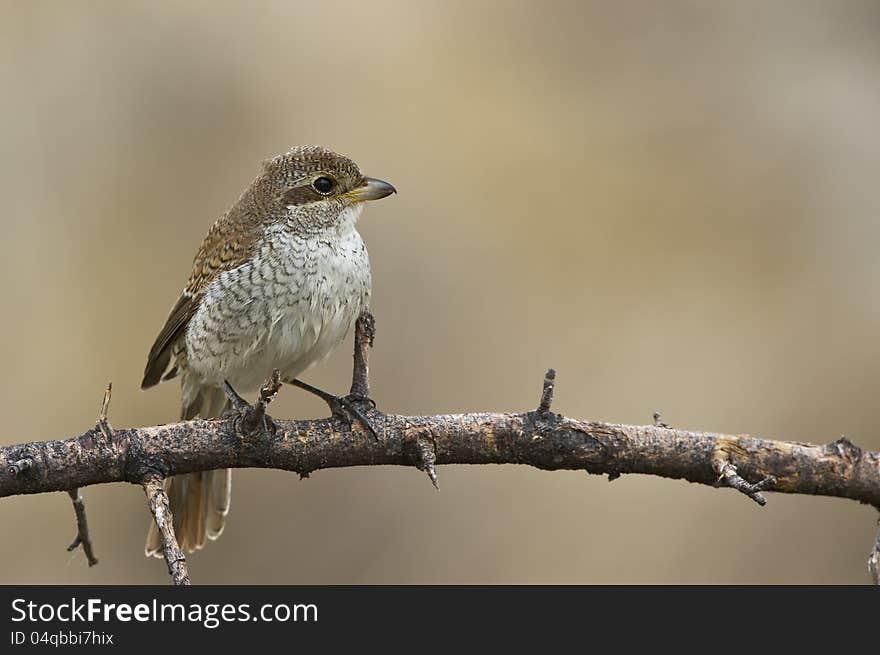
<point x="674" y="204"/>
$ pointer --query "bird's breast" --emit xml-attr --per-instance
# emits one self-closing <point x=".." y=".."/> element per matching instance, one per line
<point x="287" y="307"/>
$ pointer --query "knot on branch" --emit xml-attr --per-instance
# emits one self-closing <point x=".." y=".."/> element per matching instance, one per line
<point x="562" y="440"/>
<point x="20" y="466"/>
<point x="845" y="449"/>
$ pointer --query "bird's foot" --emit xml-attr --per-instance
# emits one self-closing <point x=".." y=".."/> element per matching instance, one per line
<point x="342" y="407"/>
<point x="250" y="417"/>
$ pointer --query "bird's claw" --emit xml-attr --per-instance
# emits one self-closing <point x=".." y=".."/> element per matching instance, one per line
<point x="345" y="408"/>
<point x="360" y="398"/>
<point x="342" y="407"/>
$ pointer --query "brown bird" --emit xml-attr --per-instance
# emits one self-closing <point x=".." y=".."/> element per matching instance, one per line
<point x="278" y="282"/>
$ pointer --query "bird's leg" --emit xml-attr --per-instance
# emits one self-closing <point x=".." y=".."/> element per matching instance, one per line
<point x="238" y="403"/>
<point x="343" y="407"/>
<point x="346" y="407"/>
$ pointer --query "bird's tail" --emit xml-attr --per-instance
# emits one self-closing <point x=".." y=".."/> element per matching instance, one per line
<point x="199" y="501"/>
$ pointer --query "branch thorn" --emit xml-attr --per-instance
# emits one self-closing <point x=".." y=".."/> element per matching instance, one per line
<point x="103" y="423"/>
<point x="658" y="422"/>
<point x="547" y="392"/>
<point x="427" y="459"/>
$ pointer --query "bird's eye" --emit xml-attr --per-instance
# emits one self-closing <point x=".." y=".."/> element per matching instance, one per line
<point x="324" y="185"/>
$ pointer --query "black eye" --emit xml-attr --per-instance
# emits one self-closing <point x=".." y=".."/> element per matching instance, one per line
<point x="324" y="185"/>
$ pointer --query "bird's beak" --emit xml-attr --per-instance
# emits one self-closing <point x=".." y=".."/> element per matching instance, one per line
<point x="371" y="189"/>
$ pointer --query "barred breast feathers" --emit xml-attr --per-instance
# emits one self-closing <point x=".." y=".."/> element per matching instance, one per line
<point x="288" y="307"/>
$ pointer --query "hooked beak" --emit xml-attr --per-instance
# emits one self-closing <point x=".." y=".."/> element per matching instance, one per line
<point x="371" y="189"/>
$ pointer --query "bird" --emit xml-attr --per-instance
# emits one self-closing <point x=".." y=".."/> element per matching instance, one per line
<point x="277" y="283"/>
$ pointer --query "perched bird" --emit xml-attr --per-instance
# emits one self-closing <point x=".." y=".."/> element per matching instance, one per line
<point x="278" y="282"/>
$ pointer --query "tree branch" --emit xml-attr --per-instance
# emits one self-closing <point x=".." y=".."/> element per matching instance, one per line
<point x="539" y="438"/>
<point x="544" y="440"/>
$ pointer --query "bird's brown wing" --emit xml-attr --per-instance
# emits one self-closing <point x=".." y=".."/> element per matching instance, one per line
<point x="160" y="353"/>
<point x="230" y="242"/>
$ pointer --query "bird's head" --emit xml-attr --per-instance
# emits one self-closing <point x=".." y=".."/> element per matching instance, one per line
<point x="313" y="187"/>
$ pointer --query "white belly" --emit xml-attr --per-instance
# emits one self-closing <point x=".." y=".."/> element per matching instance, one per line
<point x="287" y="308"/>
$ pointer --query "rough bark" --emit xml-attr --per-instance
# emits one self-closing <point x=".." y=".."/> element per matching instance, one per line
<point x="544" y="440"/>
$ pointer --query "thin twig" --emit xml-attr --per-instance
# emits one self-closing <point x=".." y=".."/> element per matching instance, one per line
<point x="253" y="416"/>
<point x="157" y="499"/>
<point x="82" y="528"/>
<point x="103" y="423"/>
<point x="364" y="336"/>
<point x="727" y="474"/>
<point x="267" y="394"/>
